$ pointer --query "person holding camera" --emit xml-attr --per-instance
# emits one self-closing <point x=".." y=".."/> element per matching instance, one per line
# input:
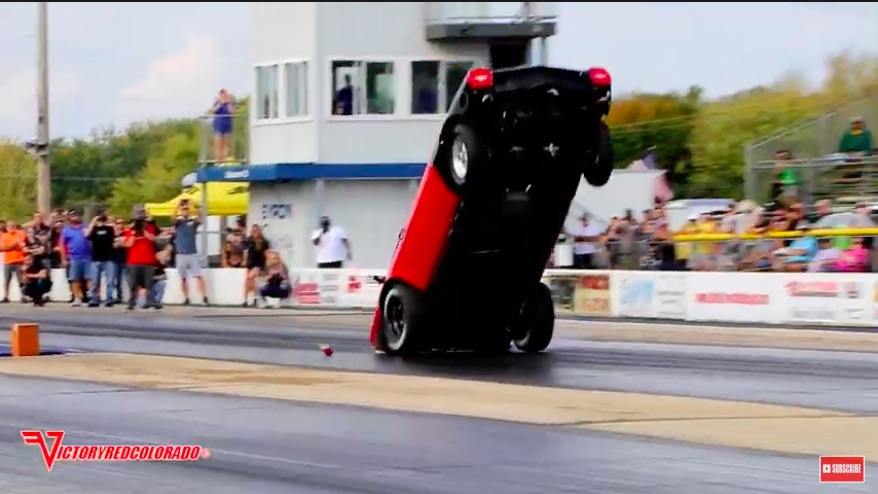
<point x="102" y="236"/>
<point x="187" y="261"/>
<point x="332" y="243"/>
<point x="140" y="240"/>
<point x="277" y="278"/>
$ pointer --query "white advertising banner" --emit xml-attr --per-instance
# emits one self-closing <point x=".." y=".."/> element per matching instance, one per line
<point x="871" y="300"/>
<point x="825" y="298"/>
<point x="670" y="296"/>
<point x="637" y="294"/>
<point x="359" y="289"/>
<point x="733" y="297"/>
<point x="750" y="298"/>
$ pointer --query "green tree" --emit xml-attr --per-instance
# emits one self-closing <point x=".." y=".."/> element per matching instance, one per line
<point x="18" y="185"/>
<point x="788" y="109"/>
<point x="663" y="121"/>
<point x="84" y="170"/>
<point x="159" y="180"/>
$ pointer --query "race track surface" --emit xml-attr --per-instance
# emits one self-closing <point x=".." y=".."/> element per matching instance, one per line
<point x="273" y="447"/>
<point x="285" y="445"/>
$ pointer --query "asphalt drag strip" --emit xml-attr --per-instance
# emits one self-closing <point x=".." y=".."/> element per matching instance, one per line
<point x="270" y="446"/>
<point x="739" y="424"/>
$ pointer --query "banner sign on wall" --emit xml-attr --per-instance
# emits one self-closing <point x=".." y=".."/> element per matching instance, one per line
<point x="873" y="303"/>
<point x="328" y="285"/>
<point x="726" y="297"/>
<point x="637" y="295"/>
<point x="592" y="295"/>
<point x="360" y="289"/>
<point x="817" y="301"/>
<point x="670" y="296"/>
<point x="306" y="288"/>
<point x="759" y="299"/>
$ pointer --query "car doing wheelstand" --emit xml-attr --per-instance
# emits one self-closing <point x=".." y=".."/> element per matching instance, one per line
<point x="466" y="271"/>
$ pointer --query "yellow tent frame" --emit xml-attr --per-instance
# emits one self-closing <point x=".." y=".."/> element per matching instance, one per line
<point x="223" y="199"/>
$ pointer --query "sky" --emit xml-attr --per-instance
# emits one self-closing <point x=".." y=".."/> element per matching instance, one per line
<point x="113" y="63"/>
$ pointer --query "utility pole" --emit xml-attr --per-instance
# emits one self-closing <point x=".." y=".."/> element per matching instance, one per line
<point x="41" y="146"/>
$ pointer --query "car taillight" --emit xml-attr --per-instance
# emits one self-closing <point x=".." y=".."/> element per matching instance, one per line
<point x="479" y="79"/>
<point x="599" y="76"/>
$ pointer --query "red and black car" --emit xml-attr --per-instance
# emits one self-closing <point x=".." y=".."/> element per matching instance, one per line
<point x="466" y="271"/>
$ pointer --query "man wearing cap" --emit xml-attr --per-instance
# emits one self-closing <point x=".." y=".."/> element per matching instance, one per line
<point x="332" y="243"/>
<point x="857" y="140"/>
<point x="76" y="255"/>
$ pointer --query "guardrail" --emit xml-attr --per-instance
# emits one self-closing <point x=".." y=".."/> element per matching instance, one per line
<point x="224" y="139"/>
<point x="832" y="177"/>
<point x="753" y="298"/>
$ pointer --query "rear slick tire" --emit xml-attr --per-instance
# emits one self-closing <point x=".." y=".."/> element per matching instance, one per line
<point x="598" y="173"/>
<point x="401" y="327"/>
<point x="537" y="322"/>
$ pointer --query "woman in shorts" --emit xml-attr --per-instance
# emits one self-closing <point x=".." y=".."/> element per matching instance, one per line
<point x="256" y="247"/>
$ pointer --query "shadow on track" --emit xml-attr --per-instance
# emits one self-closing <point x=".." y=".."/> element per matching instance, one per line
<point x="513" y="366"/>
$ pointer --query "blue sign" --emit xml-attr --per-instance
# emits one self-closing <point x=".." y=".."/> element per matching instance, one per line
<point x="637" y="292"/>
<point x="280" y="172"/>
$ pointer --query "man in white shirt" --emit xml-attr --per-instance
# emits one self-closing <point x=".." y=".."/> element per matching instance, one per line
<point x="332" y="243"/>
<point x="585" y="237"/>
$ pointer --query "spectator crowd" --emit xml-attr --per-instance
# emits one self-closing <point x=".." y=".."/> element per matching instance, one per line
<point x="110" y="261"/>
<point x="648" y="243"/>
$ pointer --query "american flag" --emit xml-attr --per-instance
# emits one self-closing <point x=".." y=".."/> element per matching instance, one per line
<point x="663" y="192"/>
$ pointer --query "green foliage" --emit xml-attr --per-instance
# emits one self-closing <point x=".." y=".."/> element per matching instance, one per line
<point x="159" y="179"/>
<point x="112" y="168"/>
<point x="663" y="121"/>
<point x="19" y="172"/>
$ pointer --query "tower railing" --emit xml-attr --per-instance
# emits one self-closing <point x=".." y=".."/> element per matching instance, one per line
<point x="489" y="12"/>
<point x="218" y="147"/>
